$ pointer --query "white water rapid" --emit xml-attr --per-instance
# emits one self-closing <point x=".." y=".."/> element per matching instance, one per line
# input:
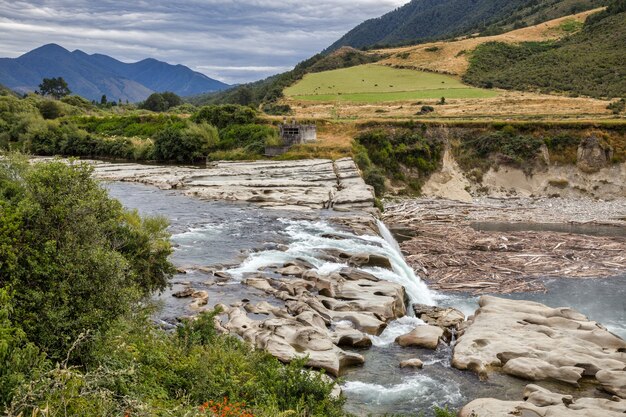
<point x="308" y="240"/>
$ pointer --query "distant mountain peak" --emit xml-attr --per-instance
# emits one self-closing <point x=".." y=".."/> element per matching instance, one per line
<point x="92" y="76"/>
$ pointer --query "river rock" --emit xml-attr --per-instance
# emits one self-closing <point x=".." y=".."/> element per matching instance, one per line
<point x="369" y="260"/>
<point x="186" y="293"/>
<point x="288" y="339"/>
<point x="540" y="402"/>
<point x="613" y="381"/>
<point x="535" y="342"/>
<point x="412" y="363"/>
<point x="446" y="317"/>
<point x="593" y="154"/>
<point x="427" y="337"/>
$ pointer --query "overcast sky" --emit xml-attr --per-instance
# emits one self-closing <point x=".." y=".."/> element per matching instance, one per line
<point x="233" y="41"/>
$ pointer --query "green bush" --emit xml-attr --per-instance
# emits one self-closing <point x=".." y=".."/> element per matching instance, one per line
<point x="222" y="116"/>
<point x="253" y="138"/>
<point x="588" y="62"/>
<point x="78" y="260"/>
<point x="397" y="153"/>
<point x="20" y="360"/>
<point x="50" y="109"/>
<point x="190" y="144"/>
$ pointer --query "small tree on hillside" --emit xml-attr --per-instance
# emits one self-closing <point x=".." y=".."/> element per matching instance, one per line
<point x="103" y="99"/>
<point x="172" y="99"/>
<point x="55" y="87"/>
<point x="155" y="102"/>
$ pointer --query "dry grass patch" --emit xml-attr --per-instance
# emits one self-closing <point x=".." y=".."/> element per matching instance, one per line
<point x="452" y="57"/>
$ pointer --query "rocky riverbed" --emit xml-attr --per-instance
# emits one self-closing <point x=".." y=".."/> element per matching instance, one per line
<point x="306" y="269"/>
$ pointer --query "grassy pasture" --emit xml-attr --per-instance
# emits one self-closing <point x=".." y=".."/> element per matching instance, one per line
<point x="375" y="83"/>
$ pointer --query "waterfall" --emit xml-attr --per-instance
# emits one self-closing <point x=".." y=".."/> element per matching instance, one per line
<point x="418" y="291"/>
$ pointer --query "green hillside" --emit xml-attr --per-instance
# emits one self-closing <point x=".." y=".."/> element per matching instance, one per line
<point x="591" y="62"/>
<point x="423" y="20"/>
<point x="376" y="83"/>
<point x="271" y="89"/>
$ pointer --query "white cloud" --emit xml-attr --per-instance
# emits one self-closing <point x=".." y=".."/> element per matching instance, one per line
<point x="234" y="41"/>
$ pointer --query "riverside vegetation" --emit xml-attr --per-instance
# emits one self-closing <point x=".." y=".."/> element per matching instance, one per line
<point x="73" y="126"/>
<point x="75" y="335"/>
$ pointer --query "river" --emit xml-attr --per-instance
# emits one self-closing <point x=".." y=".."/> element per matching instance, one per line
<point x="242" y="238"/>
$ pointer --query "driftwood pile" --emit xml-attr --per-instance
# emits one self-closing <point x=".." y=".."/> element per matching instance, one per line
<point x="452" y="256"/>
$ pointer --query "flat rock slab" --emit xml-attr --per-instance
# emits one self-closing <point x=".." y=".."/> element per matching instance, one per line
<point x="535" y="342"/>
<point x="540" y="402"/>
<point x="305" y="184"/>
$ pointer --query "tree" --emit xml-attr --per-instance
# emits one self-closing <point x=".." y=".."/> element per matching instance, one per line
<point x="55" y="87"/>
<point x="103" y="99"/>
<point x="171" y="99"/>
<point x="160" y="102"/>
<point x="155" y="102"/>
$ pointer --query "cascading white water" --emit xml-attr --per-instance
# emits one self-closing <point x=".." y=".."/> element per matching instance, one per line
<point x="401" y="267"/>
<point x="310" y="239"/>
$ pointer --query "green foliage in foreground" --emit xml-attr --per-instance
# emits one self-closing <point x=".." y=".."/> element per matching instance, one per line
<point x="73" y="258"/>
<point x="590" y="62"/>
<point x="140" y="370"/>
<point x="75" y="270"/>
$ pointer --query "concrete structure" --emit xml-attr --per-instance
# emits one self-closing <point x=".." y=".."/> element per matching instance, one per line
<point x="292" y="134"/>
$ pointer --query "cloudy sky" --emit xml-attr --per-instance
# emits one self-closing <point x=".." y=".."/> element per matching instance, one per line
<point x="233" y="41"/>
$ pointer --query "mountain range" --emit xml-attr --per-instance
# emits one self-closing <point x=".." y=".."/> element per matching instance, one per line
<point x="92" y="76"/>
<point x="423" y="20"/>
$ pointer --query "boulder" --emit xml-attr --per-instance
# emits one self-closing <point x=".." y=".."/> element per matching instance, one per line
<point x="370" y="260"/>
<point x="427" y="337"/>
<point x="288" y="339"/>
<point x="449" y="317"/>
<point x="412" y="363"/>
<point x="186" y="293"/>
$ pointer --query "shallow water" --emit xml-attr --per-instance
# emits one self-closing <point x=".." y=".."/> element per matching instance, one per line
<point x="244" y="238"/>
<point x="581" y="229"/>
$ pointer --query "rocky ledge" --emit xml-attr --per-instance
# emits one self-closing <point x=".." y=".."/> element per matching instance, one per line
<point x="535" y="342"/>
<point x="540" y="402"/>
<point x="304" y="184"/>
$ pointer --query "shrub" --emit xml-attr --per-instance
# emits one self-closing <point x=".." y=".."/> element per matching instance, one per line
<point x="376" y="179"/>
<point x="222" y="116"/>
<point x="190" y="144"/>
<point x="253" y="138"/>
<point x="79" y="260"/>
<point x="21" y="361"/>
<point x="277" y="109"/>
<point x="138" y="369"/>
<point x="50" y="109"/>
<point x="618" y="106"/>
